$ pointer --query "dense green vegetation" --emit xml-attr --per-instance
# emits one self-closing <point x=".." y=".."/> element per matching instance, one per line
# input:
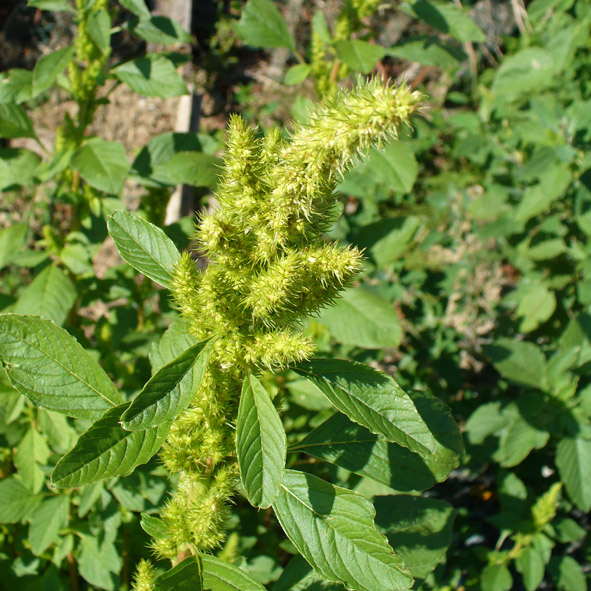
<point x="475" y="228"/>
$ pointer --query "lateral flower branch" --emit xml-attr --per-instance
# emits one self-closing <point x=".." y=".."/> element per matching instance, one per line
<point x="269" y="268"/>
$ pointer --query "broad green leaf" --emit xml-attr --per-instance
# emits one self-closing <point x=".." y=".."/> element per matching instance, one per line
<point x="154" y="526"/>
<point x="12" y="239"/>
<point x="554" y="181"/>
<point x="16" y="86"/>
<point x="152" y="75"/>
<point x="59" y="433"/>
<point x="429" y="51"/>
<point x="372" y="399"/>
<point x="185" y="576"/>
<point x="526" y="71"/>
<point x="54" y="5"/>
<point x="333" y="528"/>
<point x="99" y="29"/>
<point x="420" y="529"/>
<point x="31" y="452"/>
<point x="568" y="530"/>
<point x="260" y="444"/>
<point x="50" y="295"/>
<point x="297" y="74"/>
<point x="567" y="574"/>
<point x="158" y="152"/>
<point x="385" y="241"/>
<point x="519" y="361"/>
<point x="347" y="444"/>
<point x="531" y="566"/>
<point x="137" y="7"/>
<point x="518" y="439"/>
<point x="169" y="391"/>
<point x="261" y="25"/>
<point x="573" y="459"/>
<point x="14" y="122"/>
<point x="176" y="339"/>
<point x="144" y="246"/>
<point x="49" y="67"/>
<point x="161" y="30"/>
<point x="17" y="167"/>
<point x="447" y="18"/>
<point x="188" y="168"/>
<point x="107" y="450"/>
<point x="496" y="577"/>
<point x="536" y="305"/>
<point x="363" y="319"/>
<point x="16" y="501"/>
<point x="360" y="56"/>
<point x="223" y="576"/>
<point x="98" y="560"/>
<point x="46" y="521"/>
<point x="49" y="367"/>
<point x="102" y="164"/>
<point x="394" y="165"/>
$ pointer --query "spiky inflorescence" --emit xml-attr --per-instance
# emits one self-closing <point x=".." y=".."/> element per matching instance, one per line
<point x="269" y="268"/>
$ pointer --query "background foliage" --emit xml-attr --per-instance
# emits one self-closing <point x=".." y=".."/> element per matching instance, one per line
<point x="476" y="287"/>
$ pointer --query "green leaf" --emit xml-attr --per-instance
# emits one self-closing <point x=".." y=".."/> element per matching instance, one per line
<point x="107" y="450"/>
<point x="260" y="444"/>
<point x="519" y="361"/>
<point x="360" y="56"/>
<point x="222" y="576"/>
<point x="333" y="528"/>
<point x="394" y="165"/>
<point x="99" y="29"/>
<point x="48" y="68"/>
<point x="526" y="71"/>
<point x="518" y="440"/>
<point x="98" y="561"/>
<point x="185" y="576"/>
<point x="346" y="444"/>
<point x="447" y="18"/>
<point x="50" y="295"/>
<point x="496" y="577"/>
<point x="161" y="30"/>
<point x="31" y="451"/>
<point x="137" y="7"/>
<point x="49" y="367"/>
<point x="152" y="75"/>
<point x="429" y="51"/>
<point x="14" y="122"/>
<point x="16" y="501"/>
<point x="372" y="399"/>
<point x="371" y="322"/>
<point x="176" y="339"/>
<point x="531" y="566"/>
<point x="261" y="25"/>
<point x="158" y="163"/>
<point x="567" y="574"/>
<point x="385" y="241"/>
<point x="297" y="74"/>
<point x="102" y="164"/>
<point x="573" y="458"/>
<point x="537" y="304"/>
<point x="170" y="390"/>
<point x="46" y="521"/>
<point x="144" y="246"/>
<point x="419" y="529"/>
<point x="154" y="526"/>
<point x="16" y="86"/>
<point x="54" y="5"/>
<point x="12" y="240"/>
<point x="188" y="168"/>
<point x="17" y="167"/>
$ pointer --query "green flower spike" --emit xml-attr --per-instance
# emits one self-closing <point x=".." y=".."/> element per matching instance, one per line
<point x="269" y="267"/>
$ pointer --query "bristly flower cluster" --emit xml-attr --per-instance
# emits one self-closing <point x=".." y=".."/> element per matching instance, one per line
<point x="269" y="268"/>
